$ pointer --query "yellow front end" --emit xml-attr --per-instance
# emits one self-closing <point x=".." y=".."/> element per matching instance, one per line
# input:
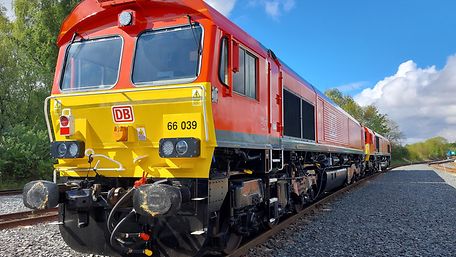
<point x="367" y="152"/>
<point x="130" y="148"/>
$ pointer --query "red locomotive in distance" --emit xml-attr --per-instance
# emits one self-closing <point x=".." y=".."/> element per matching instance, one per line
<point x="178" y="134"/>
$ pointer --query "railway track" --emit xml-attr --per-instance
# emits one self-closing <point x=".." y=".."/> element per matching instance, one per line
<point x="445" y="165"/>
<point x="27" y="218"/>
<point x="10" y="192"/>
<point x="243" y="250"/>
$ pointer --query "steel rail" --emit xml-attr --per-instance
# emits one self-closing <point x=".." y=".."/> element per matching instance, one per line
<point x="27" y="218"/>
<point x="10" y="192"/>
<point x="446" y="166"/>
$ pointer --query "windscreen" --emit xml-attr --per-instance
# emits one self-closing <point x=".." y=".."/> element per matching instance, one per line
<point x="92" y="64"/>
<point x="168" y="56"/>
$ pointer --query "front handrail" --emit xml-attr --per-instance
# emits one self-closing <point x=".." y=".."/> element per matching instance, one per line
<point x="91" y="154"/>
<point x="203" y="99"/>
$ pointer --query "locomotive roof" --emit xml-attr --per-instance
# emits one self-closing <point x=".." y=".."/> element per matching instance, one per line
<point x="87" y="9"/>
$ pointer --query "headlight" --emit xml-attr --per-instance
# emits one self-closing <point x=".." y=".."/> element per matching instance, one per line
<point x="68" y="149"/>
<point x="125" y="18"/>
<point x="179" y="147"/>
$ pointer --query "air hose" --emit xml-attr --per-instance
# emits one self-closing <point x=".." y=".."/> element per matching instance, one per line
<point x="118" y="204"/>
<point x="320" y="188"/>
<point x="118" y="246"/>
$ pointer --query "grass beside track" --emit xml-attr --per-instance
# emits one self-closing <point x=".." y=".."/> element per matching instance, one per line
<point x="12" y="185"/>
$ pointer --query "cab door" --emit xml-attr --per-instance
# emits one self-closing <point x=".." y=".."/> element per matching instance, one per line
<point x="275" y="89"/>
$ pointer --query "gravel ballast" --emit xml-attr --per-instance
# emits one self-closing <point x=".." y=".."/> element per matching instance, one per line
<point x="39" y="240"/>
<point x="406" y="212"/>
<point x="11" y="204"/>
<point x="410" y="211"/>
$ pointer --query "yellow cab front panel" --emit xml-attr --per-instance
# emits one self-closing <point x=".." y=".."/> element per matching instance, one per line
<point x="132" y="142"/>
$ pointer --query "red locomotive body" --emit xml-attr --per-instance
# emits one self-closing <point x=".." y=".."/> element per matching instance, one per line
<point x="213" y="136"/>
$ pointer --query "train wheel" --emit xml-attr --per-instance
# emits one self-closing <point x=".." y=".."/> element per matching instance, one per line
<point x="233" y="241"/>
<point x="298" y="207"/>
<point x="272" y="223"/>
<point x="297" y="203"/>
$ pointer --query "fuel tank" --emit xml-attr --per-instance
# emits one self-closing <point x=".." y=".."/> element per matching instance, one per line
<point x="334" y="179"/>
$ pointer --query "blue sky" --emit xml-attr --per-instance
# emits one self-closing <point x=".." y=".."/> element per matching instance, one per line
<point x="334" y="43"/>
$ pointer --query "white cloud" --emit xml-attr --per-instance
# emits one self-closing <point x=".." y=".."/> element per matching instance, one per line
<point x="288" y="5"/>
<point x="274" y="8"/>
<point x="352" y="86"/>
<point x="421" y="100"/>
<point x="223" y="6"/>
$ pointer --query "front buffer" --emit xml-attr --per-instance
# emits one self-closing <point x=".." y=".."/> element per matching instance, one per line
<point x="159" y="219"/>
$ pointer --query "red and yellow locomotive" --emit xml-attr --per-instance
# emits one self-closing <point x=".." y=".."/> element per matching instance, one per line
<point x="177" y="133"/>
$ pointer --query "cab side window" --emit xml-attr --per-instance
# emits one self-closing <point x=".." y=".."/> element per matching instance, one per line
<point x="245" y="80"/>
<point x="223" y="67"/>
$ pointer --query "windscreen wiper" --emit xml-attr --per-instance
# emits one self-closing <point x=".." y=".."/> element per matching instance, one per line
<point x="197" y="42"/>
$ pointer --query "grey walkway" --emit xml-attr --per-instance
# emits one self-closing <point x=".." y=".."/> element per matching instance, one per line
<point x="410" y="211"/>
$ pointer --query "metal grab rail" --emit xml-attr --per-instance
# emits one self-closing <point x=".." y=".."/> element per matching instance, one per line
<point x="203" y="99"/>
<point x="91" y="153"/>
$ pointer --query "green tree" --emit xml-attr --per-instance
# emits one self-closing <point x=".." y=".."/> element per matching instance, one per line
<point x="28" y="53"/>
<point x="34" y="32"/>
<point x="431" y="149"/>
<point x="368" y="116"/>
<point x="8" y="72"/>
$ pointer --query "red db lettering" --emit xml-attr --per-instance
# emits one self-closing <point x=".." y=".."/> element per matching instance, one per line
<point x="123" y="114"/>
<point x="126" y="114"/>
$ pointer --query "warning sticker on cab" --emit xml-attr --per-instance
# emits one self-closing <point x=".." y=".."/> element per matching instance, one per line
<point x="182" y="125"/>
<point x="196" y="97"/>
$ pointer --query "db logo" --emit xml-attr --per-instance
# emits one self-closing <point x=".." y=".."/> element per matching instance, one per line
<point x="123" y="114"/>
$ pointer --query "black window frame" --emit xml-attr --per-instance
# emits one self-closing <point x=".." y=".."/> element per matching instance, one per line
<point x="256" y="72"/>
<point x="225" y="40"/>
<point x="292" y="118"/>
<point x="82" y="40"/>
<point x="312" y="128"/>
<point x="377" y="144"/>
<point x="199" y="64"/>
<point x="290" y="130"/>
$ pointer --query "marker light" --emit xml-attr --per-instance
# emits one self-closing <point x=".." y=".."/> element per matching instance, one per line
<point x="180" y="147"/>
<point x="167" y="148"/>
<point x="64" y="121"/>
<point x="67" y="149"/>
<point x="73" y="150"/>
<point x="125" y="18"/>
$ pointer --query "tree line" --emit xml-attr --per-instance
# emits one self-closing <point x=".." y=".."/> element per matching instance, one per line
<point x="28" y="52"/>
<point x="431" y="149"/>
